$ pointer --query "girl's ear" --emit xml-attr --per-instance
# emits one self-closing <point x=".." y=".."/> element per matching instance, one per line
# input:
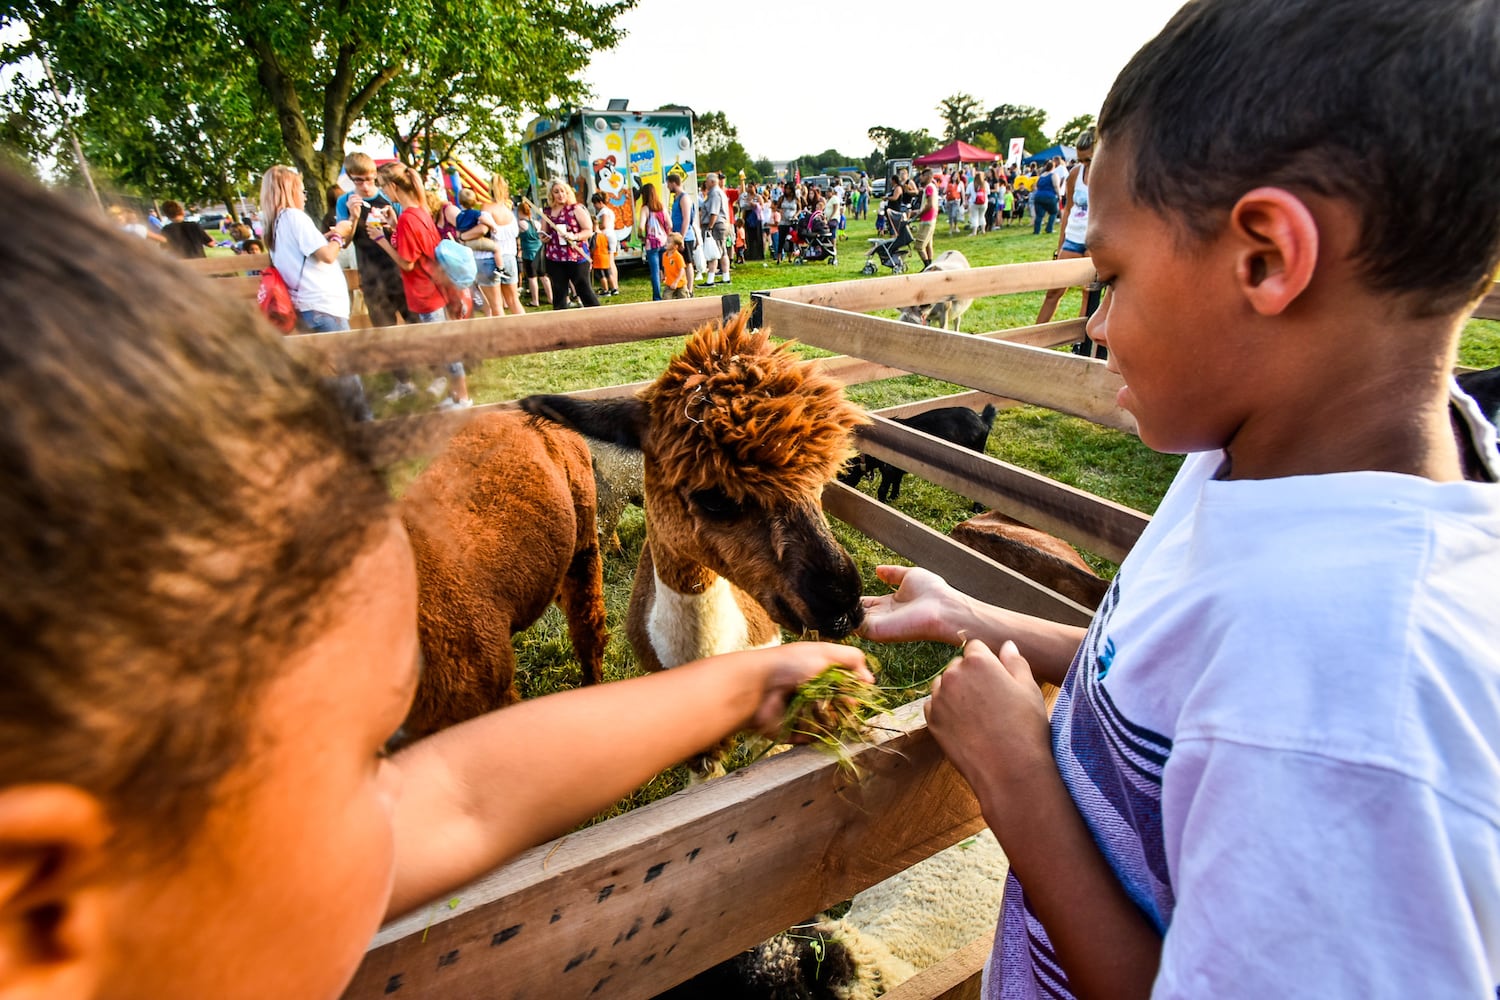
<point x="1277" y="248"/>
<point x="53" y="913"/>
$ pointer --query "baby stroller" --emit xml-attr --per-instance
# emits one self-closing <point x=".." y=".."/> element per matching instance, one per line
<point x="814" y="240"/>
<point x="892" y="251"/>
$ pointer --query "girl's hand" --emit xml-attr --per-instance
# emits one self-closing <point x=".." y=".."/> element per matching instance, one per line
<point x="782" y="668"/>
<point x="987" y="714"/>
<point x="923" y="607"/>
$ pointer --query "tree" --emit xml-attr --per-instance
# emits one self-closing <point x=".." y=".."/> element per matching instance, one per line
<point x="960" y="114"/>
<point x="319" y="64"/>
<point x="141" y="129"/>
<point x="1068" y="135"/>
<point x="729" y="159"/>
<point x="711" y="132"/>
<point x="987" y="140"/>
<point x="1011" y="120"/>
<point x="891" y="143"/>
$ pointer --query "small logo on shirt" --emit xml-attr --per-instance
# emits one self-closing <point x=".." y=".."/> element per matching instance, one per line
<point x="1106" y="657"/>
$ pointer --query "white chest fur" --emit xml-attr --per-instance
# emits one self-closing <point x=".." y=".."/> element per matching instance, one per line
<point x="687" y="627"/>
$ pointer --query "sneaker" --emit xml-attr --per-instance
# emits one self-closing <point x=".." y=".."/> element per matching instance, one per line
<point x="455" y="404"/>
<point x="438" y="387"/>
<point x="402" y="390"/>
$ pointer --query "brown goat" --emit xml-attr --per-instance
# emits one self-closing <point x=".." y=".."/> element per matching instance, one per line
<point x="738" y="439"/>
<point x="502" y="524"/>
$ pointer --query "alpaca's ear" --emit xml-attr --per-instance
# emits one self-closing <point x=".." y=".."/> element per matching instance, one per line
<point x="618" y="421"/>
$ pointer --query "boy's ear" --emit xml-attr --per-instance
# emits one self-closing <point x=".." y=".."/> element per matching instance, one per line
<point x="1278" y="248"/>
<point x="53" y="926"/>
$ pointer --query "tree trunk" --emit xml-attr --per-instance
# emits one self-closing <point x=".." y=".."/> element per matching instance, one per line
<point x="227" y="193"/>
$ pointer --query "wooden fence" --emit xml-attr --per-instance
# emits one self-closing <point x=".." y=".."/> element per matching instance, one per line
<point x="637" y="904"/>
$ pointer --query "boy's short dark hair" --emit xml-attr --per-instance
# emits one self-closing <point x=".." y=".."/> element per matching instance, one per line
<point x="1389" y="104"/>
<point x="172" y="209"/>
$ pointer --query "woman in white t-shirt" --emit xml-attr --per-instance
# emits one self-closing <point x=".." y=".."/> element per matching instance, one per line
<point x="308" y="262"/>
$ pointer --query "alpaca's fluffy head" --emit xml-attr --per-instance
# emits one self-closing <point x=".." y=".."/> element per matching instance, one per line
<point x="754" y="420"/>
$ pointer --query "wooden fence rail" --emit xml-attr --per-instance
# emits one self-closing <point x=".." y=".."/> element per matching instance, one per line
<point x="633" y="906"/>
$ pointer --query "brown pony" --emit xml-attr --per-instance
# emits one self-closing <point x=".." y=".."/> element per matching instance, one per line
<point x="502" y="524"/>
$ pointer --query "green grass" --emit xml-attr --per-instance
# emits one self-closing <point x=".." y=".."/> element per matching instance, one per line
<point x="1072" y="451"/>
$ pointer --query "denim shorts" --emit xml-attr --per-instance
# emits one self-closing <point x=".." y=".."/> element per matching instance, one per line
<point x="1072" y="247"/>
<point x="485" y="272"/>
<point x="507" y="269"/>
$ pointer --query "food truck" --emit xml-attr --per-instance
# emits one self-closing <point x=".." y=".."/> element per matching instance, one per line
<point x="613" y="151"/>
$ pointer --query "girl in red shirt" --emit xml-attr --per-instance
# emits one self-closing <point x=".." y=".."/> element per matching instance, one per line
<point x="412" y="248"/>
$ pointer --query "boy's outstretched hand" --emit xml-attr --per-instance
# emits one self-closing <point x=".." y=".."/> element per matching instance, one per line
<point x="922" y="608"/>
<point x="988" y="716"/>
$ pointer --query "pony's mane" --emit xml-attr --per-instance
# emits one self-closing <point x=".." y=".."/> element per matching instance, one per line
<point x="733" y="412"/>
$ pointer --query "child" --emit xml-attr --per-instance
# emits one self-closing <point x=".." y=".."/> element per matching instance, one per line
<point x="1274" y="764"/>
<point x="601" y="248"/>
<point x="739" y="241"/>
<point x="209" y="610"/>
<point x="187" y="239"/>
<point x="410" y="239"/>
<point x="674" y="276"/>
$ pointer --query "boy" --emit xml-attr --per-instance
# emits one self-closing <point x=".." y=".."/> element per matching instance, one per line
<point x="1272" y="770"/>
<point x="674" y="276"/>
<point x="602" y="251"/>
<point x="187" y="239"/>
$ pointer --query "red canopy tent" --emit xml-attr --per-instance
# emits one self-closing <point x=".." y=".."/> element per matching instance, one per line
<point x="957" y="151"/>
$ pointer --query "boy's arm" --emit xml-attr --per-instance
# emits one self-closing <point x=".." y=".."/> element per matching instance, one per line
<point x="476" y="795"/>
<point x="924" y="608"/>
<point x="987" y="714"/>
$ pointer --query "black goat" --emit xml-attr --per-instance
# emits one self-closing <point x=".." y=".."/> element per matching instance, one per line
<point x="1484" y="387"/>
<point x="957" y="424"/>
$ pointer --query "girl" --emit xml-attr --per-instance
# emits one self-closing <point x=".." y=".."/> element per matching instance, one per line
<point x="209" y="614"/>
<point x="504" y="229"/>
<point x="308" y="262"/>
<point x="1073" y="233"/>
<point x="532" y="268"/>
<point x="568" y="229"/>
<point x="411" y="247"/>
<point x="658" y="228"/>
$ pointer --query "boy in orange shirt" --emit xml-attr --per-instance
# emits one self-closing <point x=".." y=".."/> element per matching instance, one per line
<point x="674" y="271"/>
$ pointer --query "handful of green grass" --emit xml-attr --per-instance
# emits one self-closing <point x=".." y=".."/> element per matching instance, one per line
<point x="829" y="712"/>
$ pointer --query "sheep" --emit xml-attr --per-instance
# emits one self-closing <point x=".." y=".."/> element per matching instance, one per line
<point x="910" y="922"/>
<point x="618" y="480"/>
<point x="1034" y="554"/>
<point x="501" y="524"/>
<point x="951" y="308"/>
<point x="957" y="424"/>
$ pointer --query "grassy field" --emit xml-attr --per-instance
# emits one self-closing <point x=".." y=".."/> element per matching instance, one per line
<point x="1101" y="461"/>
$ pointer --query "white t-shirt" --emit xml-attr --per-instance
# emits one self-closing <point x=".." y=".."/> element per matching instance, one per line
<point x="1283" y="729"/>
<point x="313" y="284"/>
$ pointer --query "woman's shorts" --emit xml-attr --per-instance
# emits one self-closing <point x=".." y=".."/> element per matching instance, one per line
<point x="532" y="267"/>
<point x="507" y="269"/>
<point x="484" y="270"/>
<point x="1072" y="247"/>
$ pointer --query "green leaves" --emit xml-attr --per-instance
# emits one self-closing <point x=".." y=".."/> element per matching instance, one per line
<point x="177" y="94"/>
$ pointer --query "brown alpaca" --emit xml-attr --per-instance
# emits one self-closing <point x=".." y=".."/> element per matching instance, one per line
<point x="502" y="524"/>
<point x="738" y="439"/>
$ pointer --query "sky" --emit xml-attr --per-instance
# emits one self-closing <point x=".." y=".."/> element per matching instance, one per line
<point x="825" y="73"/>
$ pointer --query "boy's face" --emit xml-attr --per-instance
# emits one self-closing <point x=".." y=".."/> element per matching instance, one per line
<point x="1168" y="317"/>
<point x="282" y="889"/>
<point x="364" y="183"/>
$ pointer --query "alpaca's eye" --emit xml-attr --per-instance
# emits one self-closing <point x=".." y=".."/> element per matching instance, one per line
<point x="714" y="503"/>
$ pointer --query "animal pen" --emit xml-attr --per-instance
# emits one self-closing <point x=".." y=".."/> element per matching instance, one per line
<point x="641" y="902"/>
